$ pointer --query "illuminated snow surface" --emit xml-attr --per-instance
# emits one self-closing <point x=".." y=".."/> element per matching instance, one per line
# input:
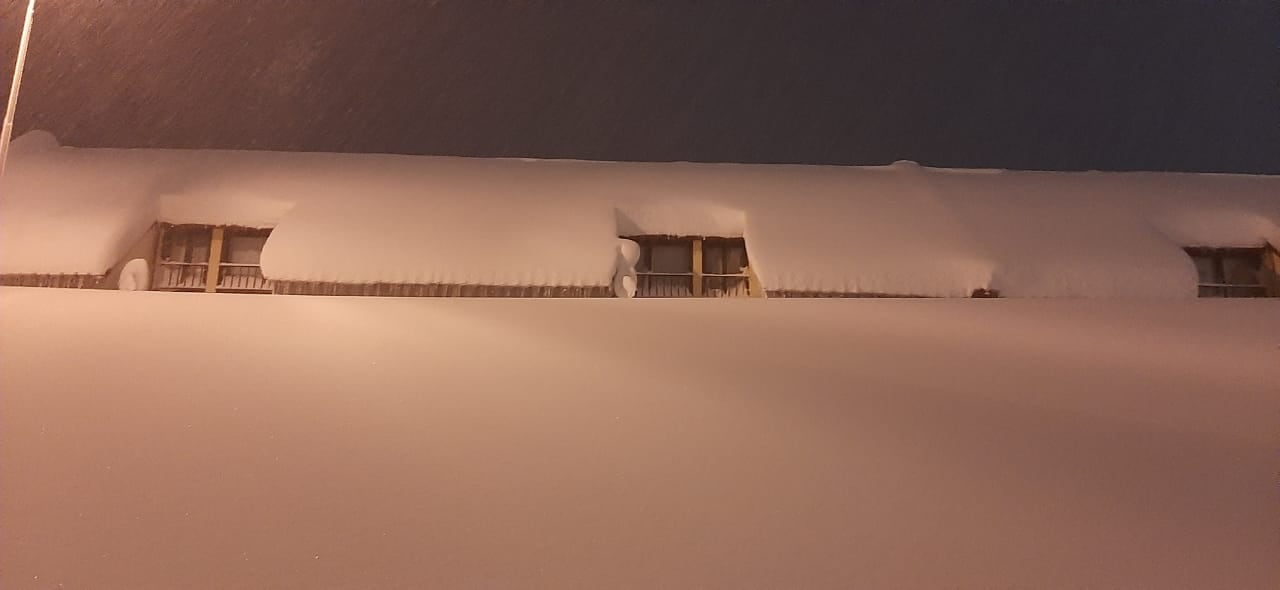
<point x="158" y="440"/>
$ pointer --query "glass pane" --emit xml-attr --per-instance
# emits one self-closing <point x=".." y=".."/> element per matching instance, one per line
<point x="244" y="249"/>
<point x="172" y="248"/>
<point x="672" y="257"/>
<point x="723" y="256"/>
<point x="736" y="259"/>
<point x="186" y="245"/>
<point x="199" y="251"/>
<point x="646" y="254"/>
<point x="712" y="258"/>
<point x="1241" y="269"/>
<point x="1205" y="269"/>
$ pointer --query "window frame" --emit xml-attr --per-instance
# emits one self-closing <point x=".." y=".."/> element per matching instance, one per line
<point x="220" y="275"/>
<point x="697" y="277"/>
<point x="1221" y="287"/>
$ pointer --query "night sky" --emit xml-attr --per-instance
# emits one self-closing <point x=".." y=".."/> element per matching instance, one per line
<point x="1111" y="85"/>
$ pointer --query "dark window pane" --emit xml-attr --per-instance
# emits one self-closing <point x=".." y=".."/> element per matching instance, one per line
<point x="186" y="244"/>
<point x="646" y="254"/>
<point x="724" y="256"/>
<point x="1206" y="269"/>
<point x="1241" y="269"/>
<point x="736" y="259"/>
<point x="712" y="258"/>
<point x="672" y="257"/>
<point x="243" y="248"/>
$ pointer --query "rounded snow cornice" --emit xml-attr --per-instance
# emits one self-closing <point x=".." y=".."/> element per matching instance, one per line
<point x="34" y="141"/>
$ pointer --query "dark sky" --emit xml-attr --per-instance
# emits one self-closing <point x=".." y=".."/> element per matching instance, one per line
<point x="1108" y="84"/>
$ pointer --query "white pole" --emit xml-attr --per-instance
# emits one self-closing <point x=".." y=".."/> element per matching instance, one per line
<point x="6" y="133"/>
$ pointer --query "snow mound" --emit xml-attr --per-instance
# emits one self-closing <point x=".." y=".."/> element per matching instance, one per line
<point x="689" y="217"/>
<point x="135" y="276"/>
<point x="625" y="278"/>
<point x="212" y="208"/>
<point x="33" y="142"/>
<point x="72" y="211"/>
<point x="479" y="240"/>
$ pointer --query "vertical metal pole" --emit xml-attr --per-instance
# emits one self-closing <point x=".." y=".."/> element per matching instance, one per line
<point x="6" y="133"/>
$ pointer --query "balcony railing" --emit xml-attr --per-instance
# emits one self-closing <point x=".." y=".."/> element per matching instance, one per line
<point x="1232" y="290"/>
<point x="180" y="276"/>
<point x="729" y="285"/>
<point x="192" y="276"/>
<point x="658" y="284"/>
<point x="242" y="277"/>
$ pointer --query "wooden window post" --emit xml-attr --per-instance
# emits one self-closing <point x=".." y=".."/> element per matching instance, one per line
<point x="215" y="258"/>
<point x="1271" y="270"/>
<point x="161" y="230"/>
<point x="753" y="283"/>
<point x="697" y="267"/>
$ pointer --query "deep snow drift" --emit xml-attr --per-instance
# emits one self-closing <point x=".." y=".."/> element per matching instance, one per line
<point x="161" y="440"/>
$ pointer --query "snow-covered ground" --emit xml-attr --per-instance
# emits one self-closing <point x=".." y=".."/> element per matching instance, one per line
<point x="160" y="440"/>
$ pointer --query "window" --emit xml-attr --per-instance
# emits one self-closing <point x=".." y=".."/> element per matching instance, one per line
<point x="692" y="267"/>
<point x="239" y="269"/>
<point x="665" y="268"/>
<point x="183" y="261"/>
<point x="1229" y="272"/>
<point x="210" y="258"/>
<point x="724" y="268"/>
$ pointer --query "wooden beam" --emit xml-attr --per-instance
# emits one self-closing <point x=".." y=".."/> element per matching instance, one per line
<point x="1271" y="270"/>
<point x="697" y="267"/>
<point x="161" y="229"/>
<point x="215" y="258"/>
<point x="754" y="289"/>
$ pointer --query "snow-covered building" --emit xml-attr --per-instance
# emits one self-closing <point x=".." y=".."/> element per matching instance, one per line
<point x="363" y="224"/>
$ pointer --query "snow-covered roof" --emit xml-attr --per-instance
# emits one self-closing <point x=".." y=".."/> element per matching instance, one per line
<point x="902" y="228"/>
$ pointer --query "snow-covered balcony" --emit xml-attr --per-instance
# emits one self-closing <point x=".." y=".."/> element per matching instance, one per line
<point x="187" y="252"/>
<point x="187" y="276"/>
<point x="692" y="267"/>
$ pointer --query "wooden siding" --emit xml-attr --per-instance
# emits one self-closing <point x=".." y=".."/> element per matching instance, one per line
<point x="977" y="294"/>
<point x="62" y="281"/>
<point x="839" y="295"/>
<point x="433" y="290"/>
